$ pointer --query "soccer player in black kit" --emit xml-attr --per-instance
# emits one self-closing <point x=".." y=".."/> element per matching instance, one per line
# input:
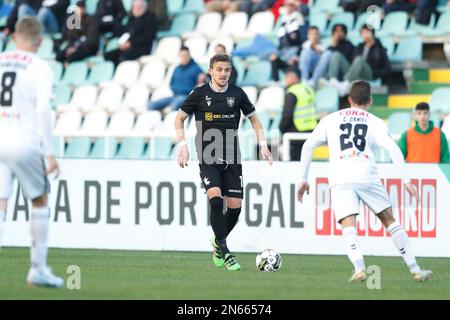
<point x="217" y="107"/>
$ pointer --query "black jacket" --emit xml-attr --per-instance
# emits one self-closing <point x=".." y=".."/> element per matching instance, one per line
<point x="287" y="117"/>
<point x="87" y="38"/>
<point x="142" y="31"/>
<point x="59" y="9"/>
<point x="346" y="48"/>
<point x="377" y="58"/>
<point x="112" y="8"/>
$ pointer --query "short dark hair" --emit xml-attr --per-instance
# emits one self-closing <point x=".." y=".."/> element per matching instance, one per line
<point x="313" y="28"/>
<point x="339" y="25"/>
<point x="219" y="45"/>
<point x="220" y="57"/>
<point x="422" y="106"/>
<point x="366" y="27"/>
<point x="293" y="70"/>
<point x="360" y="92"/>
<point x="184" y="48"/>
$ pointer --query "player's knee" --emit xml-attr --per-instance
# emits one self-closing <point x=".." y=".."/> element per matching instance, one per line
<point x="216" y="204"/>
<point x="40" y="201"/>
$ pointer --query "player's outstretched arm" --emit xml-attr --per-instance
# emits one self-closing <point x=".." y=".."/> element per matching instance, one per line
<point x="264" y="150"/>
<point x="183" y="153"/>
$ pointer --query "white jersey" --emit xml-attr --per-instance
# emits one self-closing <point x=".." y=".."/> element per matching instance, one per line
<point x="26" y="91"/>
<point x="352" y="135"/>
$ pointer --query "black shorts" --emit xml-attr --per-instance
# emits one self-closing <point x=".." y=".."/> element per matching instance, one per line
<point x="226" y="177"/>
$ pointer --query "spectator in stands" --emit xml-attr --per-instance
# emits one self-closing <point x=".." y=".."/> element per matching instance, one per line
<point x="299" y="112"/>
<point x="312" y="49"/>
<point x="186" y="76"/>
<point x="424" y="142"/>
<point x="424" y="10"/>
<point x="52" y="14"/>
<point x="335" y="61"/>
<point x="137" y="36"/>
<point x="220" y="49"/>
<point x="399" y="5"/>
<point x="21" y="9"/>
<point x="253" y="6"/>
<point x="81" y="35"/>
<point x="289" y="37"/>
<point x="223" y="6"/>
<point x="159" y="8"/>
<point x="110" y="14"/>
<point x="360" y="6"/>
<point x="369" y="62"/>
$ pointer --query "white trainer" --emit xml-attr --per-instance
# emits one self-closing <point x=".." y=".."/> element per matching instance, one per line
<point x="359" y="275"/>
<point x="422" y="275"/>
<point x="44" y="277"/>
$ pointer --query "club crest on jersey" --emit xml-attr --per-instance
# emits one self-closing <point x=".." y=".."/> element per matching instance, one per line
<point x="230" y="102"/>
<point x="208" y="100"/>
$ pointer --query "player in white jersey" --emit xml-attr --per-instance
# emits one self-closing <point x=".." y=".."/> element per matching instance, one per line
<point x="352" y="135"/>
<point x="26" y="91"/>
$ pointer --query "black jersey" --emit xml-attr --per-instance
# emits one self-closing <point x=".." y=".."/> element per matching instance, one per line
<point x="217" y="116"/>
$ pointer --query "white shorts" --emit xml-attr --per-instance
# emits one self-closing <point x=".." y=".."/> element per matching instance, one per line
<point x="345" y="198"/>
<point x="28" y="166"/>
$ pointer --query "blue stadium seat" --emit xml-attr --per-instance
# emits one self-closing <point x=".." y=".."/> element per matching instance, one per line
<point x="345" y="18"/>
<point x="327" y="100"/>
<point x="360" y="21"/>
<point x="394" y="23"/>
<point x="174" y="7"/>
<point x="131" y="148"/>
<point x="57" y="68"/>
<point x="398" y="122"/>
<point x="104" y="148"/>
<point x="408" y="49"/>
<point x="319" y="20"/>
<point x="389" y="44"/>
<point x="416" y="28"/>
<point x="439" y="101"/>
<point x="442" y="26"/>
<point x="160" y="149"/>
<point x="45" y="50"/>
<point x="181" y="23"/>
<point x="78" y="148"/>
<point x="328" y="6"/>
<point x="127" y="4"/>
<point x="263" y="117"/>
<point x="258" y="74"/>
<point x="91" y="6"/>
<point x="62" y="93"/>
<point x="102" y="71"/>
<point x="75" y="73"/>
<point x="193" y="6"/>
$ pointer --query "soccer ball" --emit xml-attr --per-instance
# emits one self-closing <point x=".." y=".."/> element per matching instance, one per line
<point x="268" y="261"/>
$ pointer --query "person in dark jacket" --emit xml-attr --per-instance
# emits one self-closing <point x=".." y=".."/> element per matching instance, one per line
<point x="52" y="14"/>
<point x="369" y="62"/>
<point x="80" y="33"/>
<point x="110" y="14"/>
<point x="335" y="61"/>
<point x="186" y="76"/>
<point x="137" y="36"/>
<point x="21" y="9"/>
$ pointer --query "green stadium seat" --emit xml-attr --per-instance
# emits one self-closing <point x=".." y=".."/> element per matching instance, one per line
<point x="442" y="26"/>
<point x="57" y="68"/>
<point x="394" y="23"/>
<point x="258" y="74"/>
<point x="408" y="49"/>
<point x="75" y="73"/>
<point x="194" y="6"/>
<point x="45" y="50"/>
<point x="99" y="149"/>
<point x="327" y="100"/>
<point x="181" y="23"/>
<point x="62" y="93"/>
<point x="131" y="148"/>
<point x="345" y="18"/>
<point x="102" y="71"/>
<point x="319" y="20"/>
<point x="398" y="122"/>
<point x="440" y="100"/>
<point x="389" y="44"/>
<point x="78" y="148"/>
<point x="160" y="148"/>
<point x="10" y="45"/>
<point x="360" y="21"/>
<point x="416" y="28"/>
<point x="174" y="6"/>
<point x="328" y="6"/>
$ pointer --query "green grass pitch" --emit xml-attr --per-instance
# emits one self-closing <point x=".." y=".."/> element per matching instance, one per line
<point x="116" y="274"/>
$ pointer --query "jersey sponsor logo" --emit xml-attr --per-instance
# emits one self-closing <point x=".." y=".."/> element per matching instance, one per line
<point x="230" y="102"/>
<point x="418" y="219"/>
<point x="208" y="100"/>
<point x="209" y="116"/>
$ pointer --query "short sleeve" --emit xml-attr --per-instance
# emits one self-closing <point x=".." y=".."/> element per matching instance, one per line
<point x="190" y="104"/>
<point x="248" y="109"/>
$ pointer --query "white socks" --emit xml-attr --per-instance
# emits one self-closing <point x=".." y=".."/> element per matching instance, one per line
<point x="352" y="247"/>
<point x="39" y="235"/>
<point x="2" y="222"/>
<point x="403" y="245"/>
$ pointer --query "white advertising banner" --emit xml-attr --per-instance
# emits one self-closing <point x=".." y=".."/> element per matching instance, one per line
<point x="155" y="205"/>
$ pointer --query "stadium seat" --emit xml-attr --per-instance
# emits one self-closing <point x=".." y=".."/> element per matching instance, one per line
<point x="252" y="93"/>
<point x="147" y="121"/>
<point x="440" y="100"/>
<point x="57" y="69"/>
<point x="247" y="144"/>
<point x="345" y="18"/>
<point x="127" y="4"/>
<point x="194" y="6"/>
<point x="319" y="20"/>
<point x="94" y="123"/>
<point x="328" y="6"/>
<point x="91" y="6"/>
<point x="327" y="100"/>
<point x="258" y="74"/>
<point x="260" y="23"/>
<point x="270" y="99"/>
<point x="136" y="98"/>
<point x="168" y="49"/>
<point x="233" y="24"/>
<point x="174" y="7"/>
<point x="68" y="123"/>
<point x="398" y="122"/>
<point x="167" y="125"/>
<point x="394" y="23"/>
<point x="442" y="26"/>
<point x="162" y="91"/>
<point x="263" y="117"/>
<point x="416" y="28"/>
<point x="152" y="73"/>
<point x="207" y="25"/>
<point x="62" y="94"/>
<point x="121" y="123"/>
<point x="160" y="148"/>
<point x="45" y="50"/>
<point x="75" y="73"/>
<point x="446" y="127"/>
<point x="100" y="72"/>
<point x="127" y="72"/>
<point x="360" y="21"/>
<point x="78" y="148"/>
<point x="104" y="148"/>
<point x="131" y="148"/>
<point x="110" y="97"/>
<point x="389" y="45"/>
<point x="408" y="49"/>
<point x="111" y="45"/>
<point x="181" y="23"/>
<point x="84" y="97"/>
<point x="197" y="47"/>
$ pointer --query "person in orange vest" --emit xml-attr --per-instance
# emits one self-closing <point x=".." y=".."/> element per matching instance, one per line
<point x="424" y="142"/>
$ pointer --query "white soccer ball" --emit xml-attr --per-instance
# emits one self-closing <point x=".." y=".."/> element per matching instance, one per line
<point x="268" y="261"/>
